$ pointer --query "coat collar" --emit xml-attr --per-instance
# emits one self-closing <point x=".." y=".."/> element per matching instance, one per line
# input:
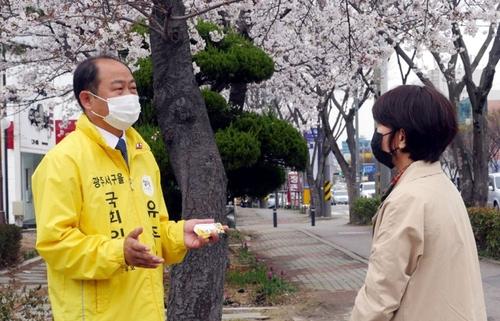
<point x="135" y="143"/>
<point x="418" y="170"/>
<point x="415" y="171"/>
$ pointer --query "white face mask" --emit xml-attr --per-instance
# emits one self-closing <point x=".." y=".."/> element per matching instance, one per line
<point x="123" y="111"/>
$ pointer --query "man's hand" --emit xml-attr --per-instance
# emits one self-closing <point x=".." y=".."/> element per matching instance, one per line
<point x="192" y="240"/>
<point x="137" y="254"/>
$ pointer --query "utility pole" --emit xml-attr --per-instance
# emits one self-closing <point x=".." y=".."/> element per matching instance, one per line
<point x="357" y="158"/>
<point x="3" y="84"/>
<point x="320" y="178"/>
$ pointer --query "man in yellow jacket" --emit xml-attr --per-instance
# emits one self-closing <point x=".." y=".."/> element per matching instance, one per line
<point x="102" y="223"/>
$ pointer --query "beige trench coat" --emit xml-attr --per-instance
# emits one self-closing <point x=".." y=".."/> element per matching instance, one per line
<point x="423" y="262"/>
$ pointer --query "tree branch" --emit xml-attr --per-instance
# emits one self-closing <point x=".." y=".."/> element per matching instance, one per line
<point x="484" y="46"/>
<point x="197" y="13"/>
<point x="463" y="52"/>
<point x="272" y="23"/>
<point x="489" y="71"/>
<point x="411" y="64"/>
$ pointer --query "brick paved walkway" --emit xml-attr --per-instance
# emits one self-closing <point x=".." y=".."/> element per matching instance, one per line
<point x="32" y="272"/>
<point x="307" y="260"/>
<point x="310" y="262"/>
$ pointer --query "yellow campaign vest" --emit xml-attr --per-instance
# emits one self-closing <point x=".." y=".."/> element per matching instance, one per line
<point x="86" y="202"/>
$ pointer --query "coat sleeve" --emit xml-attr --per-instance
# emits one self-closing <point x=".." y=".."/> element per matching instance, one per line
<point x="58" y="203"/>
<point x="172" y="233"/>
<point x="396" y="251"/>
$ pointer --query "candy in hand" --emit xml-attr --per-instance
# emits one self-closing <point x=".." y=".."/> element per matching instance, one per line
<point x="205" y="230"/>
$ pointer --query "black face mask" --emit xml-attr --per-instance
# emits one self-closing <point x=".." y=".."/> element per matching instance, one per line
<point x="381" y="155"/>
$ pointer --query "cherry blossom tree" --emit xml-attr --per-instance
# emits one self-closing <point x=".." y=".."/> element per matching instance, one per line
<point x="44" y="40"/>
<point x="440" y="28"/>
<point x="325" y="53"/>
<point x="412" y="29"/>
<point x="325" y="62"/>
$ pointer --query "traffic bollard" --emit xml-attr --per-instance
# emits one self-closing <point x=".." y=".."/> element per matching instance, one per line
<point x="313" y="216"/>
<point x="275" y="217"/>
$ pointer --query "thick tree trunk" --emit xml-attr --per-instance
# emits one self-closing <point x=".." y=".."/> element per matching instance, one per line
<point x="472" y="165"/>
<point x="350" y="178"/>
<point x="352" y="192"/>
<point x="350" y="172"/>
<point x="480" y="136"/>
<point x="324" y="208"/>
<point x="480" y="152"/>
<point x="478" y="96"/>
<point x="349" y="169"/>
<point x="196" y="291"/>
<point x="316" y="191"/>
<point x="462" y="154"/>
<point x="316" y="183"/>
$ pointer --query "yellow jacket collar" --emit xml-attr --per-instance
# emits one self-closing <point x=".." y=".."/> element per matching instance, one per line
<point x="133" y="138"/>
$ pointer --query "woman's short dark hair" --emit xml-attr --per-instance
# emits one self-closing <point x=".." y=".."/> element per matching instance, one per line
<point x="86" y="75"/>
<point x="427" y="117"/>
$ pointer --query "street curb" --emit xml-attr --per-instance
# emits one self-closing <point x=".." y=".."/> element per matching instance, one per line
<point x="347" y="252"/>
<point x="20" y="266"/>
<point x="489" y="260"/>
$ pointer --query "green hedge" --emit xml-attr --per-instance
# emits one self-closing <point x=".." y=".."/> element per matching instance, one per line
<point x="364" y="209"/>
<point x="486" y="226"/>
<point x="10" y="245"/>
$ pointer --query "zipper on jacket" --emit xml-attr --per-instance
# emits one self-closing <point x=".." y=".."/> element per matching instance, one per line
<point x="129" y="170"/>
<point x="83" y="302"/>
<point x="130" y="179"/>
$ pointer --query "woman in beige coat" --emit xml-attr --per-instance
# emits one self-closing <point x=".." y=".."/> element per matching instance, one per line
<point x="423" y="262"/>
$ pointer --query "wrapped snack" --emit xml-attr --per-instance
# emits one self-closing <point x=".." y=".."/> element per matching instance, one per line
<point x="205" y="230"/>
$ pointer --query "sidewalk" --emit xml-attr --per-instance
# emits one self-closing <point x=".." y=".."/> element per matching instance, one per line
<point x="331" y="256"/>
<point x="306" y="259"/>
<point x="328" y="260"/>
<point x="30" y="273"/>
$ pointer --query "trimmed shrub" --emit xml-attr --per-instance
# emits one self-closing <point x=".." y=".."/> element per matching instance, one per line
<point x="486" y="227"/>
<point x="10" y="245"/>
<point x="364" y="209"/>
<point x="20" y="303"/>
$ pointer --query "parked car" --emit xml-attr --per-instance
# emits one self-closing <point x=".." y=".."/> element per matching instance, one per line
<point x="367" y="189"/>
<point x="494" y="190"/>
<point x="340" y="197"/>
<point x="271" y="201"/>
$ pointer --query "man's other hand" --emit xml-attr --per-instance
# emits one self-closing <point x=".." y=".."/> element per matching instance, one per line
<point x="137" y="254"/>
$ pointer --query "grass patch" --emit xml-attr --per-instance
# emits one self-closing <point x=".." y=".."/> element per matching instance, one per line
<point x="235" y="236"/>
<point x="29" y="254"/>
<point x="267" y="287"/>
<point x="248" y="281"/>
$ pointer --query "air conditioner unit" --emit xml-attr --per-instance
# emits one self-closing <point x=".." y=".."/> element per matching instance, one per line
<point x="18" y="212"/>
